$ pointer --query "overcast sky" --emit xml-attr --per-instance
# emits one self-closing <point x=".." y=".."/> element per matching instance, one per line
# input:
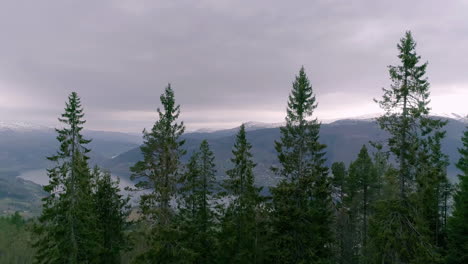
<point x="228" y="61"/>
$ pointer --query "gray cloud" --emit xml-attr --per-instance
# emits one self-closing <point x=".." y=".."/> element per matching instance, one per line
<point x="228" y="61"/>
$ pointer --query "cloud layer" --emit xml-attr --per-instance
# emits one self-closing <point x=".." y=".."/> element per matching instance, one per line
<point x="228" y="61"/>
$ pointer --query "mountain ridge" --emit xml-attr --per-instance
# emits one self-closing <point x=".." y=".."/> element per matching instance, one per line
<point x="343" y="138"/>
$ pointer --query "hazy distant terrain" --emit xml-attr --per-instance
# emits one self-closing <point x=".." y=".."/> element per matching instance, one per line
<point x="343" y="138"/>
<point x="17" y="194"/>
<point x="25" y="147"/>
<point x="23" y="151"/>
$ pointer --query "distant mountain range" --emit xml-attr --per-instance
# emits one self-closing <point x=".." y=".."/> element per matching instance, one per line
<point x="20" y="126"/>
<point x="24" y="147"/>
<point x="459" y="117"/>
<point x="17" y="194"/>
<point x="249" y="126"/>
<point x="343" y="138"/>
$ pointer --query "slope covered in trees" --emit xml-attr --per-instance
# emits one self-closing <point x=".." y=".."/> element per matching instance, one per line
<point x="343" y="138"/>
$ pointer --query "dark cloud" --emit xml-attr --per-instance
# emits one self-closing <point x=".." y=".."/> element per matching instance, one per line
<point x="228" y="61"/>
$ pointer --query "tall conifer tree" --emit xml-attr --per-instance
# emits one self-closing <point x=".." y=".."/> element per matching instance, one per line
<point x="112" y="211"/>
<point x="433" y="188"/>
<point x="196" y="207"/>
<point x="157" y="175"/>
<point x="240" y="225"/>
<point x="458" y="222"/>
<point x="302" y="216"/>
<point x="343" y="229"/>
<point x="406" y="119"/>
<point x="338" y="180"/>
<point x="66" y="229"/>
<point x="362" y="190"/>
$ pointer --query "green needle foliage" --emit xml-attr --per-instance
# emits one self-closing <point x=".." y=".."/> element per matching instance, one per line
<point x="433" y="189"/>
<point x="196" y="207"/>
<point x="362" y="190"/>
<point x="343" y="229"/>
<point x="406" y="119"/>
<point x="241" y="227"/>
<point x="338" y="181"/>
<point x="15" y="239"/>
<point x="156" y="176"/>
<point x="66" y="232"/>
<point x="458" y="222"/>
<point x="302" y="216"/>
<point x="112" y="211"/>
<point x="406" y="109"/>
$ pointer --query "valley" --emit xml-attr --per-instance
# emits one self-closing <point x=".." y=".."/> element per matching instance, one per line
<point x="23" y="159"/>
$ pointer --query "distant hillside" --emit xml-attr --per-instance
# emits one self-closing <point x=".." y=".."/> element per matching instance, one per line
<point x="17" y="194"/>
<point x="24" y="146"/>
<point x="343" y="138"/>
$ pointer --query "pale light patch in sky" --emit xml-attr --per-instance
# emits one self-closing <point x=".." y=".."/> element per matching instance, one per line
<point x="450" y="99"/>
<point x="14" y="98"/>
<point x="135" y="121"/>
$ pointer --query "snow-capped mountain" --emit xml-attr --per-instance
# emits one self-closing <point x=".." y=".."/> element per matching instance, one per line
<point x="457" y="116"/>
<point x="203" y="130"/>
<point x="351" y="120"/>
<point x="249" y="126"/>
<point x="20" y="126"/>
<point x="253" y="125"/>
<point x="370" y="117"/>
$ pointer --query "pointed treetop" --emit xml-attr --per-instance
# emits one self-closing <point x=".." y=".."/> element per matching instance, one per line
<point x="242" y="158"/>
<point x="73" y="111"/>
<point x="242" y="145"/>
<point x="409" y="92"/>
<point x="167" y="99"/>
<point x="363" y="153"/>
<point x="169" y="115"/>
<point x="407" y="47"/>
<point x="204" y="145"/>
<point x="301" y="101"/>
<point x="171" y="110"/>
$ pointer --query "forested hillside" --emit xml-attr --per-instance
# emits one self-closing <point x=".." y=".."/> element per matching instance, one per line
<point x="343" y="138"/>
<point x="23" y="148"/>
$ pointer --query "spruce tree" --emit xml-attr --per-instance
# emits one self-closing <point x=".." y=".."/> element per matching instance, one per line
<point x="458" y="223"/>
<point x="112" y="210"/>
<point x="302" y="216"/>
<point x="362" y="190"/>
<point x="338" y="180"/>
<point x="406" y="120"/>
<point x="381" y="166"/>
<point x="406" y="106"/>
<point x="343" y="234"/>
<point x="196" y="207"/>
<point x="66" y="232"/>
<point x="157" y="175"/>
<point x="240" y="241"/>
<point x="433" y="189"/>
